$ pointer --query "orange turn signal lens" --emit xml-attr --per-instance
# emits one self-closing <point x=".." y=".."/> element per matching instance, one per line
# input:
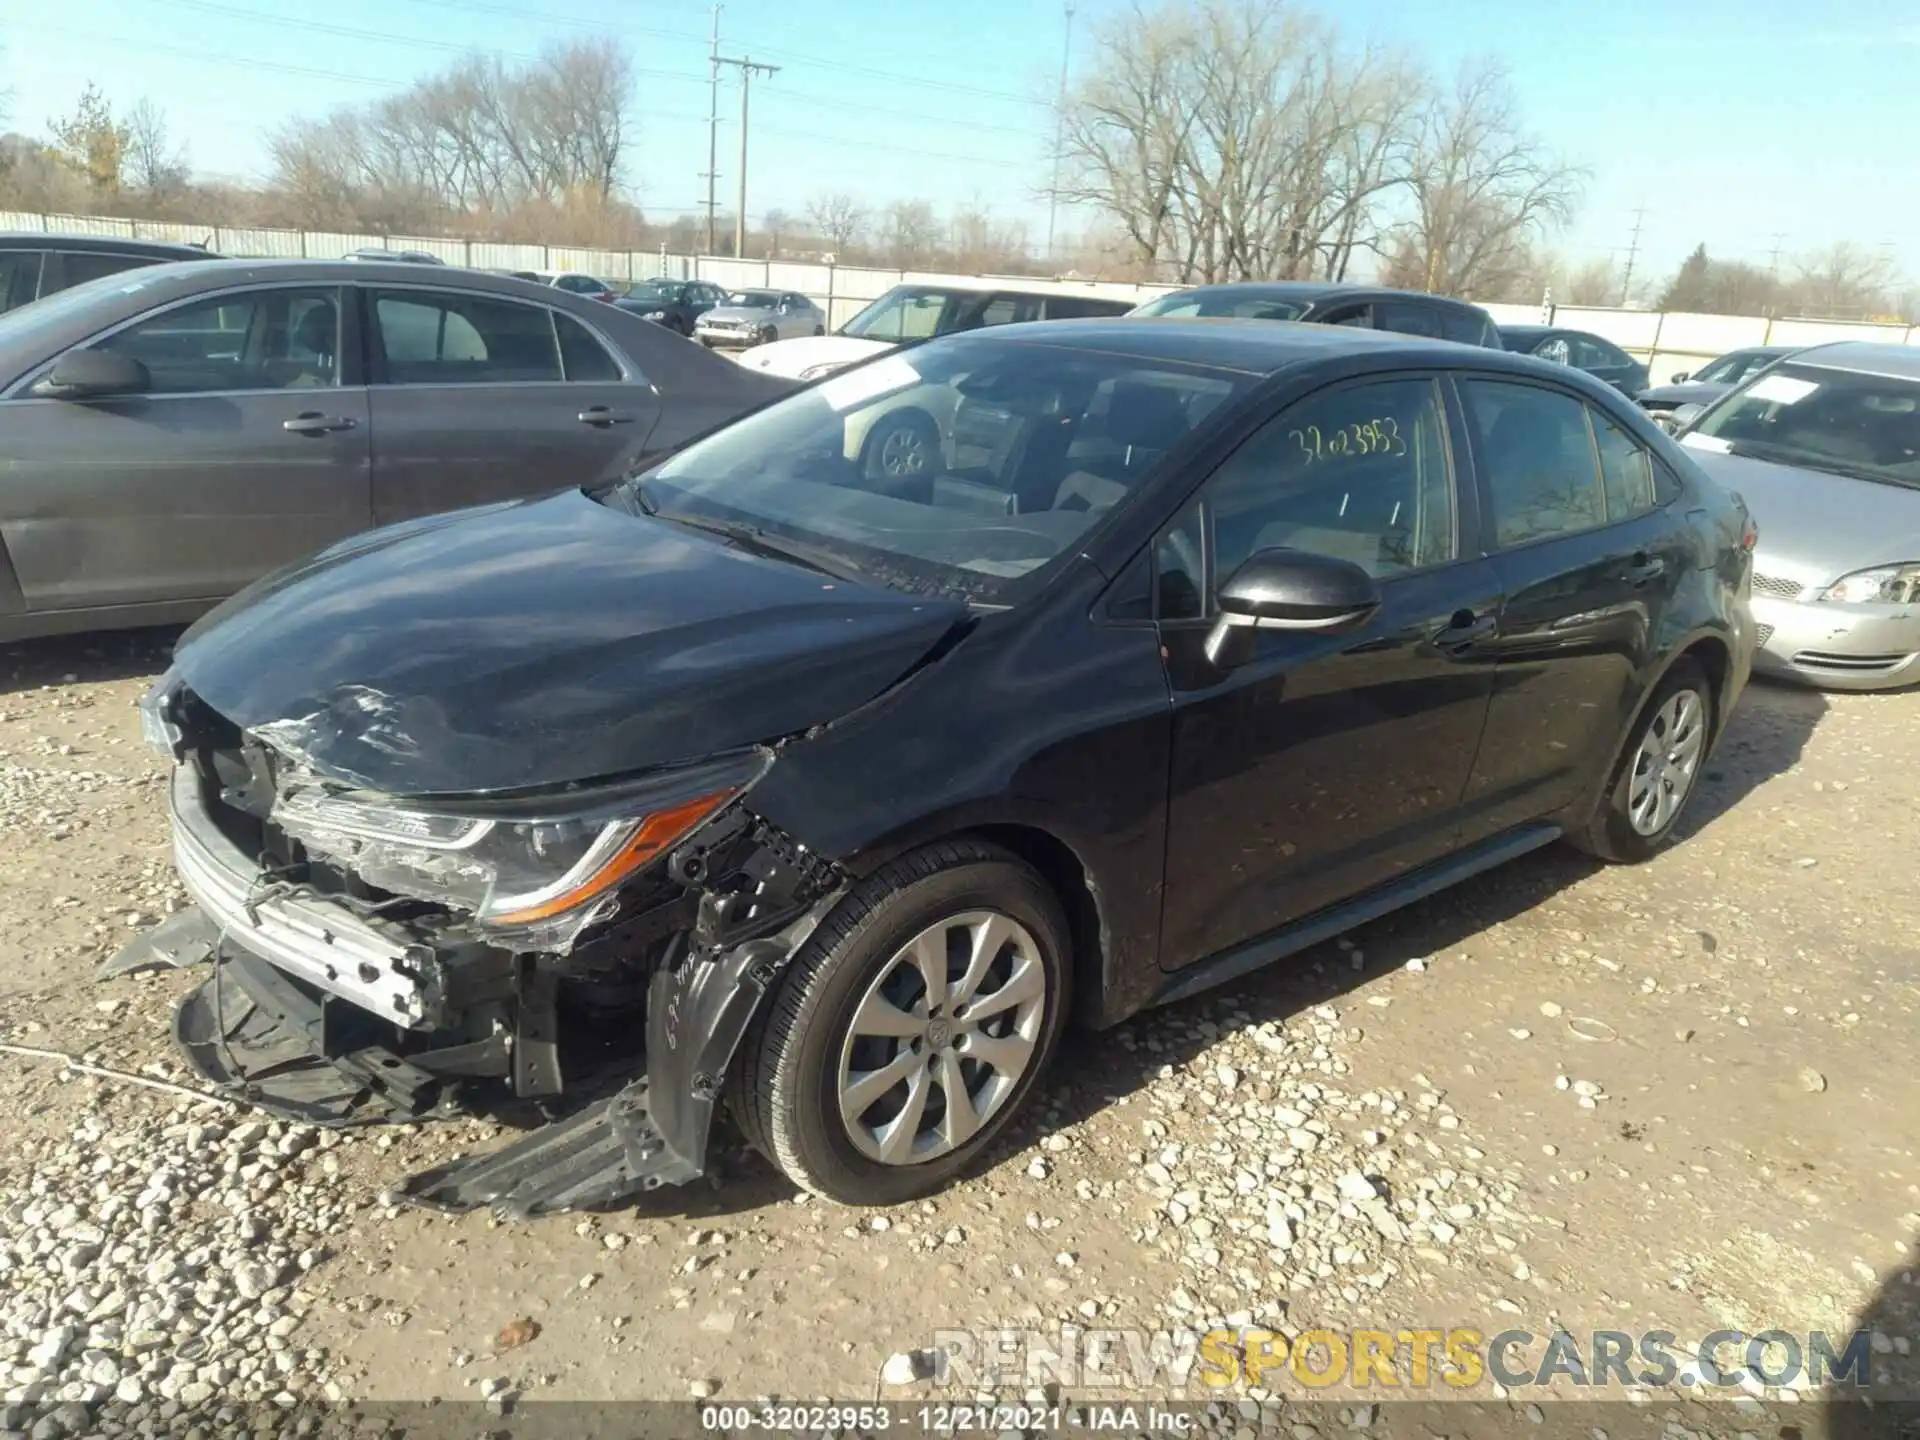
<point x="657" y="831"/>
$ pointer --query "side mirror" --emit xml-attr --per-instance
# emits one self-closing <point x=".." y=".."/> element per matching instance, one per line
<point x="1290" y="590"/>
<point x="93" y="375"/>
<point x="1679" y="377"/>
<point x="1684" y="415"/>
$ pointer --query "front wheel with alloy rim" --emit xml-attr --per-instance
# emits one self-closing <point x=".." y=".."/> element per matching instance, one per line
<point x="1657" y="771"/>
<point x="911" y="1027"/>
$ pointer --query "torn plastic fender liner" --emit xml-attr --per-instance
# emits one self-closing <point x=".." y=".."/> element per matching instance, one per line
<point x="182" y="939"/>
<point x="654" y="1131"/>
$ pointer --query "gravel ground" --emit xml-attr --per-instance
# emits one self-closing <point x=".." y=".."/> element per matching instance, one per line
<point x="1679" y="1097"/>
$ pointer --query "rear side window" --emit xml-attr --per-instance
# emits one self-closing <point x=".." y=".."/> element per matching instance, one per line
<point x="585" y="358"/>
<point x="19" y="278"/>
<point x="1626" y="470"/>
<point x="1079" y="307"/>
<point x="1466" y="327"/>
<point x="1589" y="352"/>
<point x="1360" y="316"/>
<point x="1007" y="310"/>
<point x="1537" y="456"/>
<point x="432" y="339"/>
<point x="1407" y="318"/>
<point x="81" y="266"/>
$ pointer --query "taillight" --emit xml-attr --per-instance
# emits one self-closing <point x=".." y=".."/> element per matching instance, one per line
<point x="1749" y="535"/>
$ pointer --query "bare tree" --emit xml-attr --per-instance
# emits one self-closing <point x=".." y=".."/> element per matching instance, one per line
<point x="912" y="233"/>
<point x="1241" y="138"/>
<point x="155" y="169"/>
<point x="837" y="219"/>
<point x="1845" y="281"/>
<point x="1594" y="283"/>
<point x="478" y="140"/>
<point x="1482" y="190"/>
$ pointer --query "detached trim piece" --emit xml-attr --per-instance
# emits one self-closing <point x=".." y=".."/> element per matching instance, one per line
<point x="320" y="942"/>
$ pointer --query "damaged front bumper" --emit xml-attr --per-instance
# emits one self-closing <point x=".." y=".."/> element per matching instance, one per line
<point x="339" y="1008"/>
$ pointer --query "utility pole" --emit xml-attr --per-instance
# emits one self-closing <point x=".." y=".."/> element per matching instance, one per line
<point x="748" y="69"/>
<point x="1633" y="253"/>
<point x="713" y="120"/>
<point x="1059" y="128"/>
<point x="1773" y="257"/>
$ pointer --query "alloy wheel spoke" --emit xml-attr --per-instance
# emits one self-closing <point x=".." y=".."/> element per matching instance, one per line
<point x="863" y="1089"/>
<point x="1007" y="1055"/>
<point x="880" y="1016"/>
<point x="1027" y="983"/>
<point x="896" y="1137"/>
<point x="989" y="938"/>
<point x="960" y="1120"/>
<point x="929" y="955"/>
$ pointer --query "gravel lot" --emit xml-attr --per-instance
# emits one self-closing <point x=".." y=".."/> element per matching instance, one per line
<point x="1679" y="1098"/>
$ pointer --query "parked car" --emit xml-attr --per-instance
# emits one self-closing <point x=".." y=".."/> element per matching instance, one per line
<point x="172" y="434"/>
<point x="34" y="263"/>
<point x="382" y="255"/>
<point x="908" y="314"/>
<point x="676" y="304"/>
<point x="1825" y="446"/>
<point x="1363" y="307"/>
<point x="1711" y="380"/>
<point x="576" y="283"/>
<point x="1213" y="642"/>
<point x="759" y="317"/>
<point x="1600" y="358"/>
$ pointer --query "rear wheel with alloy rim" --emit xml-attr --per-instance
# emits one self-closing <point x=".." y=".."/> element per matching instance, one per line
<point x="1657" y="772"/>
<point x="902" y="449"/>
<point x="911" y="1028"/>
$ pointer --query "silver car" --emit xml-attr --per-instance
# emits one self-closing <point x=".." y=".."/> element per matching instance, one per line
<point x="1825" y="448"/>
<point x="171" y="433"/>
<point x="759" y="317"/>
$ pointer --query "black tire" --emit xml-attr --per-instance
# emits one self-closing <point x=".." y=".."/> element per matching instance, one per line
<point x="784" y="1090"/>
<point x="1612" y="834"/>
<point x="819" y="330"/>
<point x="902" y="451"/>
<point x="767" y="335"/>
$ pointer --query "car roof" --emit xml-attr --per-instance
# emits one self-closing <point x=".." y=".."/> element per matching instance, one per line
<point x="1310" y="290"/>
<point x="1536" y="332"/>
<point x="1864" y="357"/>
<point x="1253" y="347"/>
<point x="113" y="244"/>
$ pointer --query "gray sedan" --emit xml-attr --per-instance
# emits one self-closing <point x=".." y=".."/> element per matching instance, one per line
<point x="1825" y="448"/>
<point x="759" y="317"/>
<point x="172" y="433"/>
<point x="1707" y="384"/>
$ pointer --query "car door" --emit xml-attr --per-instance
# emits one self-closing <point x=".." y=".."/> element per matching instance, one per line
<point x="249" y="448"/>
<point x="1589" y="559"/>
<point x="1326" y="763"/>
<point x="478" y="398"/>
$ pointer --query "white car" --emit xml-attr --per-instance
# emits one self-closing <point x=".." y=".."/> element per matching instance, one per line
<point x="909" y="313"/>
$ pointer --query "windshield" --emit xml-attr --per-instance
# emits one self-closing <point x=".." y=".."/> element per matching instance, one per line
<point x="1866" y="426"/>
<point x="1224" y="304"/>
<point x="961" y="467"/>
<point x="906" y="313"/>
<point x="754" y="299"/>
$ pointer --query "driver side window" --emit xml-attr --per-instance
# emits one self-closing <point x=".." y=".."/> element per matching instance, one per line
<point x="1359" y="473"/>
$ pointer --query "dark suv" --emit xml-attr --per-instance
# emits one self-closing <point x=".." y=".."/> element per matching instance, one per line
<point x="1365" y="307"/>
<point x="33" y="263"/>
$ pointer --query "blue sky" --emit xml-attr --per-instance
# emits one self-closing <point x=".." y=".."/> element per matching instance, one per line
<point x="1740" y="123"/>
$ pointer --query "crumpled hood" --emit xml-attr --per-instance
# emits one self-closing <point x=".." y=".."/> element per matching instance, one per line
<point x="790" y="357"/>
<point x="543" y="642"/>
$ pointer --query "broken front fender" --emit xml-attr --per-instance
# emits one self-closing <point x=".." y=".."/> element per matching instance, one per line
<point x="654" y="1131"/>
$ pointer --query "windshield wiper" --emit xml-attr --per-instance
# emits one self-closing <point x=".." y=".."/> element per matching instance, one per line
<point x="753" y="538"/>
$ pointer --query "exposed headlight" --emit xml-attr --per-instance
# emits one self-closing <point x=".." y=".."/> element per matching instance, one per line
<point x="1882" y="585"/>
<point x="814" y="372"/>
<point x="546" y="862"/>
<point x="653" y="314"/>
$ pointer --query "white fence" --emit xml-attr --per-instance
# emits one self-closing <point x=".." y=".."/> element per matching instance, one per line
<point x="1668" y="342"/>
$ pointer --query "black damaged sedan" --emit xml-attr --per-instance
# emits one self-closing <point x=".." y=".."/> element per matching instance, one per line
<point x="831" y="790"/>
